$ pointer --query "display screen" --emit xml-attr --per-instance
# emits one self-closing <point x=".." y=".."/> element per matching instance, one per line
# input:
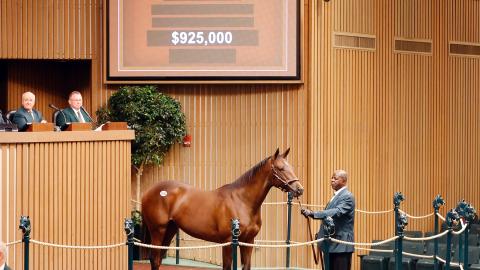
<point x="203" y="40"/>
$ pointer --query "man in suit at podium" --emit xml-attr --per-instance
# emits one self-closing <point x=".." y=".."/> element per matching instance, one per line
<point x="74" y="113"/>
<point x="26" y="114"/>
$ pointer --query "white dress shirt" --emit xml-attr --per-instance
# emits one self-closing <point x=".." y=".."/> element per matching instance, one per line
<point x="335" y="193"/>
<point x="2" y="267"/>
<point x="80" y="119"/>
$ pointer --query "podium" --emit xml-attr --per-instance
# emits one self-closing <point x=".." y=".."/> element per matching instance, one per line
<point x="37" y="127"/>
<point x="115" y="126"/>
<point x="76" y="188"/>
<point x="79" y="127"/>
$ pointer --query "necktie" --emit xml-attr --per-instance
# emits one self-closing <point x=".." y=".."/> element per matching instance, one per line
<point x="80" y="118"/>
<point x="33" y="118"/>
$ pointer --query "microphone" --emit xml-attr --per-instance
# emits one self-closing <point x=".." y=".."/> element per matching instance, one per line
<point x="2" y="120"/>
<point x="59" y="110"/>
<point x="91" y="119"/>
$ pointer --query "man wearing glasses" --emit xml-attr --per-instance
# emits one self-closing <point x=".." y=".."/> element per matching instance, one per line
<point x="74" y="113"/>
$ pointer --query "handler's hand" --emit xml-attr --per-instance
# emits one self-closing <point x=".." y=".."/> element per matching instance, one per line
<point x="307" y="213"/>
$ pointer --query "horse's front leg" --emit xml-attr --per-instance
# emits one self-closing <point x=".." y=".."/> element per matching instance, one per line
<point x="227" y="257"/>
<point x="246" y="255"/>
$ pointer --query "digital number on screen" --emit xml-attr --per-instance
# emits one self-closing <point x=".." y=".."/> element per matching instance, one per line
<point x="203" y="40"/>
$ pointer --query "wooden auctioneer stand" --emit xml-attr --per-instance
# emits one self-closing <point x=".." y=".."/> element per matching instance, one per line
<point x="75" y="186"/>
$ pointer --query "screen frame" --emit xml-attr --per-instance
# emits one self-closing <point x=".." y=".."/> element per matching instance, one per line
<point x="296" y="79"/>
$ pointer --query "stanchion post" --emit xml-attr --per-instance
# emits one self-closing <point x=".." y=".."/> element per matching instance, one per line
<point x="235" y="235"/>
<point x="289" y="227"/>
<point x="329" y="230"/>
<point x="129" y="231"/>
<point x="177" y="244"/>
<point x="400" y="223"/>
<point x="467" y="213"/>
<point x="437" y="202"/>
<point x="26" y="228"/>
<point x="452" y="218"/>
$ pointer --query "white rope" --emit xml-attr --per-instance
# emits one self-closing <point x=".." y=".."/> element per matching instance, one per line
<point x="377" y="250"/>
<point x="464" y="226"/>
<point x="280" y="246"/>
<point x="275" y="203"/>
<point x="451" y="263"/>
<point x="77" y="247"/>
<point x="426" y="238"/>
<point x="136" y="202"/>
<point x="311" y="205"/>
<point x="13" y="243"/>
<point x="364" y="244"/>
<point x="417" y="255"/>
<point x="440" y="216"/>
<point x="373" y="212"/>
<point x="271" y="241"/>
<point x="416" y="217"/>
<point x="181" y="248"/>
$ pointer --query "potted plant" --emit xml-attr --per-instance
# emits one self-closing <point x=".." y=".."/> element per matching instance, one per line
<point x="158" y="122"/>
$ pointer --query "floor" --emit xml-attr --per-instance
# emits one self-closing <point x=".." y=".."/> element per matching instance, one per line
<point x="169" y="264"/>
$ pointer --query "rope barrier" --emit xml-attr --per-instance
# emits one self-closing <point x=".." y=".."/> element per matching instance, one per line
<point x="417" y="255"/>
<point x="451" y="263"/>
<point x="377" y="250"/>
<point x="76" y="247"/>
<point x="440" y="216"/>
<point x="373" y="212"/>
<point x="275" y="203"/>
<point x="416" y="217"/>
<point x="426" y="238"/>
<point x="281" y="246"/>
<point x="13" y="243"/>
<point x="464" y="226"/>
<point x="136" y="202"/>
<point x="364" y="244"/>
<point x="181" y="248"/>
<point x="356" y="210"/>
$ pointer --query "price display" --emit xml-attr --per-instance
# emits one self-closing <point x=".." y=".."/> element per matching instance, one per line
<point x="203" y="40"/>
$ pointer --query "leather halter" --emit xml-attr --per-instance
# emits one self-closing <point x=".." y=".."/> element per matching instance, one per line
<point x="285" y="182"/>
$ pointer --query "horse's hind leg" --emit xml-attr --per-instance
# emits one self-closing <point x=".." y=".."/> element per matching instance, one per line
<point x="227" y="257"/>
<point x="246" y="255"/>
<point x="172" y="229"/>
<point x="155" y="254"/>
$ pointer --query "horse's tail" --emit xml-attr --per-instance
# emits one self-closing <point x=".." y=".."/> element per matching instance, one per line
<point x="146" y="237"/>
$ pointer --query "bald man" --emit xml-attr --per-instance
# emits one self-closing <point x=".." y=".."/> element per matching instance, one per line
<point x="26" y="114"/>
<point x="3" y="257"/>
<point x="341" y="208"/>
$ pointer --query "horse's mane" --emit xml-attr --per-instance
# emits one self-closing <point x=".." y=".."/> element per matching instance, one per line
<point x="248" y="175"/>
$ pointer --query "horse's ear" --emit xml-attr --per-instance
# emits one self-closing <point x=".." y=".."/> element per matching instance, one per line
<point x="276" y="154"/>
<point x="284" y="155"/>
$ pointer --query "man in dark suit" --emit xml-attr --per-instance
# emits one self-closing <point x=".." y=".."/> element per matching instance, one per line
<point x="342" y="210"/>
<point x="3" y="257"/>
<point x="74" y="113"/>
<point x="26" y="114"/>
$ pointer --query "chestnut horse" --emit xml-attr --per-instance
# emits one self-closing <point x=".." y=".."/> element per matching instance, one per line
<point x="207" y="215"/>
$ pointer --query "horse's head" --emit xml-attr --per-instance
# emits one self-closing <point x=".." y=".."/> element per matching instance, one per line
<point x="283" y="176"/>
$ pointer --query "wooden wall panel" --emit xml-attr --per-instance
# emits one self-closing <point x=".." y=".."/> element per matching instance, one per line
<point x="76" y="193"/>
<point x="396" y="122"/>
<point x="48" y="29"/>
<point x="50" y="81"/>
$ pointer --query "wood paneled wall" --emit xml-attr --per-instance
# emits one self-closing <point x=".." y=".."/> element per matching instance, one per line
<point x="50" y="81"/>
<point x="396" y="121"/>
<point x="75" y="187"/>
